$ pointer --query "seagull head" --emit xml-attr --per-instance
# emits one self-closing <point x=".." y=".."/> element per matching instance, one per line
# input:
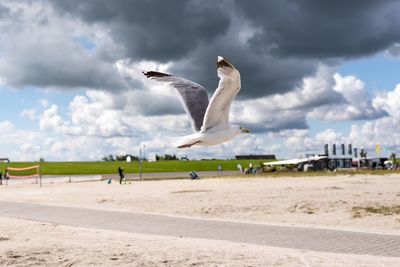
<point x="240" y="130"/>
<point x="244" y="130"/>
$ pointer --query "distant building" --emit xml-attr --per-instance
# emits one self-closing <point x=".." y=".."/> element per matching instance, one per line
<point x="272" y="157"/>
<point x="151" y="157"/>
<point x="351" y="157"/>
<point x="311" y="162"/>
<point x="338" y="157"/>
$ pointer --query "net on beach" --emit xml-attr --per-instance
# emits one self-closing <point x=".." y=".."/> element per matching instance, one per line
<point x="24" y="173"/>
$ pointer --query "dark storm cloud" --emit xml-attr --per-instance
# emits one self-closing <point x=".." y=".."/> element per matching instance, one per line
<point x="39" y="50"/>
<point x="261" y="75"/>
<point x="154" y="30"/>
<point x="278" y="122"/>
<point x="4" y="11"/>
<point x="193" y="33"/>
<point x="290" y="37"/>
<point x="274" y="44"/>
<point x="323" y="29"/>
<point x="49" y="68"/>
<point x="153" y="104"/>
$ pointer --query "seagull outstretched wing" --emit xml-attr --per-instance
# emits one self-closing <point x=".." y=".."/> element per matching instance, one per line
<point x="217" y="114"/>
<point x="192" y="95"/>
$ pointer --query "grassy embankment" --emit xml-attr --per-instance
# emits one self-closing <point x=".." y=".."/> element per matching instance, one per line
<point x="132" y="167"/>
<point x="63" y="168"/>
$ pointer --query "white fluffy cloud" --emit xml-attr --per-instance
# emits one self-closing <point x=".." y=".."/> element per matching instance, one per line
<point x="100" y="123"/>
<point x="301" y="142"/>
<point x="28" y="113"/>
<point x="44" y="102"/>
<point x="19" y="144"/>
<point x="340" y="111"/>
<point x="325" y="96"/>
<point x="394" y="50"/>
<point x="383" y="126"/>
<point x="389" y="101"/>
<point x="121" y="122"/>
<point x="71" y="45"/>
<point x="52" y="121"/>
<point x="6" y="127"/>
<point x="357" y="102"/>
<point x="384" y="131"/>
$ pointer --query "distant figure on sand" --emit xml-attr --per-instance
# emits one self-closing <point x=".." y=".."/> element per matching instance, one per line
<point x="121" y="174"/>
<point x="193" y="175"/>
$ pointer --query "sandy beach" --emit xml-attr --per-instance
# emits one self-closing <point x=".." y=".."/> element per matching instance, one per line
<point x="368" y="203"/>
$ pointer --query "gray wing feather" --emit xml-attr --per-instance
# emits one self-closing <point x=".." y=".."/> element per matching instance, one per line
<point x="192" y="95"/>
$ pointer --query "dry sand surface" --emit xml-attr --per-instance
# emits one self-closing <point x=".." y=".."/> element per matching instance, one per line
<point x="362" y="203"/>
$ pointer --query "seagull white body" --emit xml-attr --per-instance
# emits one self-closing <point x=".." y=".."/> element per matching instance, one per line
<point x="209" y="138"/>
<point x="210" y="119"/>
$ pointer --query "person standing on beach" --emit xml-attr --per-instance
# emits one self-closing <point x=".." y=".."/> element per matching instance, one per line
<point x="121" y="174"/>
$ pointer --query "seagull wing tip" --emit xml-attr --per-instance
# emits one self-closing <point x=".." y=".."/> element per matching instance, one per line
<point x="155" y="74"/>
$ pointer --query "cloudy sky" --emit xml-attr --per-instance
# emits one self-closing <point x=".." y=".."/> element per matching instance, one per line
<point x="313" y="72"/>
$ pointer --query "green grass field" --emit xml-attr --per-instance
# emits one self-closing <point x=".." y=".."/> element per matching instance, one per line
<point x="132" y="167"/>
<point x="62" y="168"/>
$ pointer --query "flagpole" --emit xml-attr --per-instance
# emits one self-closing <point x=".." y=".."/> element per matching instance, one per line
<point x="140" y="163"/>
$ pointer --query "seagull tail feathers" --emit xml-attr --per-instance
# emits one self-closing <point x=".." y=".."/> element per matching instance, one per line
<point x="184" y="141"/>
<point x="174" y="141"/>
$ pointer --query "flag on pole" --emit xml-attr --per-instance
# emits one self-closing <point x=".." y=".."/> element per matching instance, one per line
<point x="378" y="148"/>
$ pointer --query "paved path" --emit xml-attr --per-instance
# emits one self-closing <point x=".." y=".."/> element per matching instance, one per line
<point x="130" y="176"/>
<point x="170" y="175"/>
<point x="259" y="234"/>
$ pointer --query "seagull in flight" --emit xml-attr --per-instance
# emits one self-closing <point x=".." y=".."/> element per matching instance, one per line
<point x="209" y="119"/>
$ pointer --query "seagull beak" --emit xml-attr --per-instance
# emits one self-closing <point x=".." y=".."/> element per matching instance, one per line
<point x="244" y="130"/>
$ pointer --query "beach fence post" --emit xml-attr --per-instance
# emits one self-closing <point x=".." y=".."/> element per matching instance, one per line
<point x="140" y="162"/>
<point x="140" y="170"/>
<point x="40" y="176"/>
<point x="6" y="171"/>
<point x="219" y="170"/>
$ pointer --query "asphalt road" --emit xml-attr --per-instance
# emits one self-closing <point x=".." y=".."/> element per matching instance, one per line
<point x="260" y="234"/>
